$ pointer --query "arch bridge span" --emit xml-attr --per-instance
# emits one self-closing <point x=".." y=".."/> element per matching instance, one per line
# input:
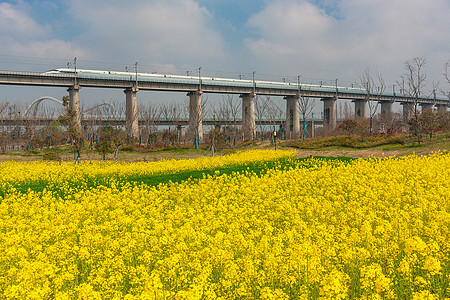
<point x="34" y="106"/>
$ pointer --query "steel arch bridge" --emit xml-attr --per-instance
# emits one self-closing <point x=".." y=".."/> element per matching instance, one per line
<point x="110" y="109"/>
<point x="33" y="108"/>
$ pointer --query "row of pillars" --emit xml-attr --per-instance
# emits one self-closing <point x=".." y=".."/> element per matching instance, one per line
<point x="195" y="115"/>
<point x="248" y="116"/>
<point x="132" y="125"/>
<point x="386" y="108"/>
<point x="248" y="112"/>
<point x="329" y="109"/>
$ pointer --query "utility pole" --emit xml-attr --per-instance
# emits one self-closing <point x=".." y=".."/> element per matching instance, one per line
<point x="336" y="81"/>
<point x="136" y="68"/>
<point x="254" y="83"/>
<point x="200" y="79"/>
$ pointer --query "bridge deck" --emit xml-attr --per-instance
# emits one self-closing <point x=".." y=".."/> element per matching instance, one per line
<point x="160" y="82"/>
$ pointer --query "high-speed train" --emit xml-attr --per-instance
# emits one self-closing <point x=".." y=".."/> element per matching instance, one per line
<point x="141" y="75"/>
<point x="205" y="80"/>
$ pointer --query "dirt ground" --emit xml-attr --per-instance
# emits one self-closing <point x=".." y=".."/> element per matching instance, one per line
<point x="365" y="153"/>
<point x="191" y="153"/>
<point x="128" y="157"/>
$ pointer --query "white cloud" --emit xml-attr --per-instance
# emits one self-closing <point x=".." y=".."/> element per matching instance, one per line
<point x="52" y="49"/>
<point x="297" y="36"/>
<point x="293" y="36"/>
<point x="287" y="20"/>
<point x="14" y="20"/>
<point x="21" y="35"/>
<point x="156" y="32"/>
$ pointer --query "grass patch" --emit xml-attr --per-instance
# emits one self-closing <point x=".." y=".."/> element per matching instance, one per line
<point x="356" y="142"/>
<point x="23" y="153"/>
<point x="258" y="168"/>
<point x="154" y="180"/>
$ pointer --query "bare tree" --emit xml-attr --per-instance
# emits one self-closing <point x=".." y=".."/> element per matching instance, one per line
<point x="234" y="107"/>
<point x="4" y="135"/>
<point x="143" y="115"/>
<point x="150" y="115"/>
<point x="171" y="113"/>
<point x="348" y="112"/>
<point x="429" y="121"/>
<point x="205" y="110"/>
<point x="165" y="111"/>
<point x="273" y="112"/>
<point x="447" y="71"/>
<point x="219" y="112"/>
<point x="389" y="123"/>
<point x="306" y="106"/>
<point x="120" y="111"/>
<point x="262" y="104"/>
<point x="176" y="113"/>
<point x="446" y="74"/>
<point x="93" y="117"/>
<point x="185" y="109"/>
<point x="226" y="111"/>
<point x="444" y="121"/>
<point x="75" y="134"/>
<point x="348" y="126"/>
<point x="340" y="111"/>
<point x="381" y="87"/>
<point x="3" y="106"/>
<point x="374" y="91"/>
<point x="114" y="112"/>
<point x="413" y="84"/>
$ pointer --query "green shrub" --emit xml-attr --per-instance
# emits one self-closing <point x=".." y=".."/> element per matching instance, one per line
<point x="51" y="156"/>
<point x="353" y="141"/>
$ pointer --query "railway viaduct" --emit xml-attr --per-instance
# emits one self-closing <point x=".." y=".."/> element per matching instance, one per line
<point x="196" y="86"/>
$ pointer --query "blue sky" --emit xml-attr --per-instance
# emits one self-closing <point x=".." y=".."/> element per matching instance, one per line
<point x="231" y="16"/>
<point x="321" y="40"/>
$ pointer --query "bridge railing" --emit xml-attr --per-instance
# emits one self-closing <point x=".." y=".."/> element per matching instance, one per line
<point x="210" y="84"/>
<point x="15" y="73"/>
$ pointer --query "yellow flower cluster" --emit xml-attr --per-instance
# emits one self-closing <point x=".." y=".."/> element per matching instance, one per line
<point x="14" y="174"/>
<point x="372" y="229"/>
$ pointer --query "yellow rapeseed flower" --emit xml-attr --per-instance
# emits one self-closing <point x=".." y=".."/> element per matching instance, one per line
<point x="370" y="229"/>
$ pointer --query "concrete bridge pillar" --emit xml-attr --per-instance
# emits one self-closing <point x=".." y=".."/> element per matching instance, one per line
<point x="248" y="116"/>
<point x="408" y="111"/>
<point x="74" y="105"/>
<point x="132" y="124"/>
<point x="386" y="108"/>
<point x="441" y="108"/>
<point x="360" y="108"/>
<point x="195" y="116"/>
<point x="329" y="113"/>
<point x="181" y="133"/>
<point x="292" y="117"/>
<point x="426" y="106"/>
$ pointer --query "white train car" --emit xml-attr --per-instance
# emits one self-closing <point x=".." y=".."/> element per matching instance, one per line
<point x="206" y="80"/>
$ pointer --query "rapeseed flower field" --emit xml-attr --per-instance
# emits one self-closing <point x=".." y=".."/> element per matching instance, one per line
<point x="375" y="228"/>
